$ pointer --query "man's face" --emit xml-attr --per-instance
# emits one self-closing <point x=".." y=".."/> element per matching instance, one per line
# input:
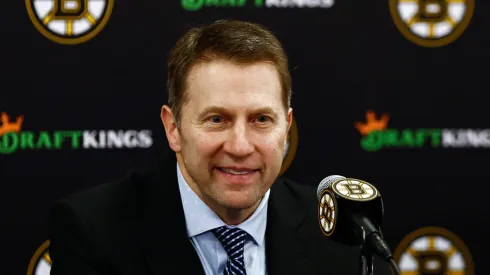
<point x="233" y="132"/>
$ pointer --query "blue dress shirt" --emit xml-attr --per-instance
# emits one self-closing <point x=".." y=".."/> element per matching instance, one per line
<point x="200" y="219"/>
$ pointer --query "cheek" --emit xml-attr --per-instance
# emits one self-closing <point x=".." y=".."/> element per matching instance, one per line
<point x="206" y="143"/>
<point x="274" y="145"/>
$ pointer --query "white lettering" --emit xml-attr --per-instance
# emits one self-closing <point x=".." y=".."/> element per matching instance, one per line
<point x="131" y="139"/>
<point x="276" y="3"/>
<point x="327" y="3"/>
<point x="312" y="3"/>
<point x="102" y="143"/>
<point x="448" y="139"/>
<point x="117" y="139"/>
<point x="465" y="138"/>
<point x="89" y="140"/>
<point x="479" y="138"/>
<point x="299" y="3"/>
<point x="145" y="139"/>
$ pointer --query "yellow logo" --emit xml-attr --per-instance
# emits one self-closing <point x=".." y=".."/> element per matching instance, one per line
<point x="40" y="263"/>
<point x="433" y="251"/>
<point x="354" y="189"/>
<point x="69" y="21"/>
<point x="432" y="23"/>
<point x="327" y="212"/>
<point x="291" y="147"/>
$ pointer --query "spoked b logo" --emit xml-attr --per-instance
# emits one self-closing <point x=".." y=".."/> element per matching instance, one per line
<point x="69" y="21"/>
<point x="432" y="23"/>
<point x="40" y="263"/>
<point x="433" y="251"/>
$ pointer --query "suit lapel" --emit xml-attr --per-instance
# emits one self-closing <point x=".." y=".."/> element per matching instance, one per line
<point x="166" y="246"/>
<point x="285" y="249"/>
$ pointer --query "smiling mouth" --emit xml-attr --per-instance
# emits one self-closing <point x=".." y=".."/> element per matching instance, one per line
<point x="237" y="171"/>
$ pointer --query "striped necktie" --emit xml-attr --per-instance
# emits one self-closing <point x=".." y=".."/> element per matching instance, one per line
<point x="233" y="240"/>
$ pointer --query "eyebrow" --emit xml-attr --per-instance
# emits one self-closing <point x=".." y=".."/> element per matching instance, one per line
<point x="219" y="109"/>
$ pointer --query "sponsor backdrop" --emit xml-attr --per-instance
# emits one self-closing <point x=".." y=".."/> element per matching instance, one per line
<point x="388" y="91"/>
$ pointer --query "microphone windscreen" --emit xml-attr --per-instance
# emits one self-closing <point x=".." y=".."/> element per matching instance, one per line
<point x="325" y="184"/>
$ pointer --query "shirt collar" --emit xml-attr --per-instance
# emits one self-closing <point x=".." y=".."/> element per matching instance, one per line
<point x="200" y="218"/>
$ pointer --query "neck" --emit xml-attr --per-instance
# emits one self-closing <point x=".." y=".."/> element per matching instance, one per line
<point x="230" y="216"/>
<point x="235" y="216"/>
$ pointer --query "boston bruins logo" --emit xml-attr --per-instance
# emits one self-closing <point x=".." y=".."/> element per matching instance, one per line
<point x="41" y="262"/>
<point x="433" y="251"/>
<point x="69" y="21"/>
<point x="354" y="189"/>
<point x="432" y="23"/>
<point x="291" y="147"/>
<point x="327" y="213"/>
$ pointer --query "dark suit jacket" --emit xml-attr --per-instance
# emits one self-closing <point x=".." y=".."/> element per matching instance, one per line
<point x="136" y="226"/>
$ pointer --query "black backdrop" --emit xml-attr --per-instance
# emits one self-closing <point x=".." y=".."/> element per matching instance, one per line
<point x="345" y="60"/>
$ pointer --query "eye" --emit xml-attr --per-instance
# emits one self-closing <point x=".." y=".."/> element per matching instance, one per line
<point x="216" y="119"/>
<point x="263" y="119"/>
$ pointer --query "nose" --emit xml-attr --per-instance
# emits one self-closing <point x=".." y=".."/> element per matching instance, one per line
<point x="239" y="142"/>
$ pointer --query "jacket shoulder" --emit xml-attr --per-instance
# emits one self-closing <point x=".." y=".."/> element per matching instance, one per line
<point x="102" y="199"/>
<point x="304" y="194"/>
<point x="109" y="212"/>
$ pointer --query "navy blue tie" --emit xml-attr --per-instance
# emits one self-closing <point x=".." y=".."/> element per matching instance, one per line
<point x="233" y="240"/>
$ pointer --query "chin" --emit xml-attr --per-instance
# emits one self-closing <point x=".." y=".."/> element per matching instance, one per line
<point x="237" y="199"/>
<point x="240" y="203"/>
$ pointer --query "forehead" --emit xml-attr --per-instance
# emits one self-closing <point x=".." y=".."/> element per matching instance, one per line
<point x="223" y="82"/>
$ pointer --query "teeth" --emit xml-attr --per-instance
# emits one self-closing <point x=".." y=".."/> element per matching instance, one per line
<point x="234" y="172"/>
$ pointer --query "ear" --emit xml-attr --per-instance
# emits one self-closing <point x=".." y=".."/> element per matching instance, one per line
<point x="290" y="118"/>
<point x="171" y="129"/>
<point x="290" y="123"/>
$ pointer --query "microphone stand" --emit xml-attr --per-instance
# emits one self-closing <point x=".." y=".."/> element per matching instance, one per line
<point x="363" y="233"/>
<point x="366" y="261"/>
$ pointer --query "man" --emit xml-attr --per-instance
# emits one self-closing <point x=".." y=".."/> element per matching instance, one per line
<point x="216" y="205"/>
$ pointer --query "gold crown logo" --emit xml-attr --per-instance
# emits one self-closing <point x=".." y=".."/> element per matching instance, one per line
<point x="8" y="126"/>
<point x="372" y="123"/>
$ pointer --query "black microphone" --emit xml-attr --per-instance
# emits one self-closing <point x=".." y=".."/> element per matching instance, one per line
<point x="351" y="212"/>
